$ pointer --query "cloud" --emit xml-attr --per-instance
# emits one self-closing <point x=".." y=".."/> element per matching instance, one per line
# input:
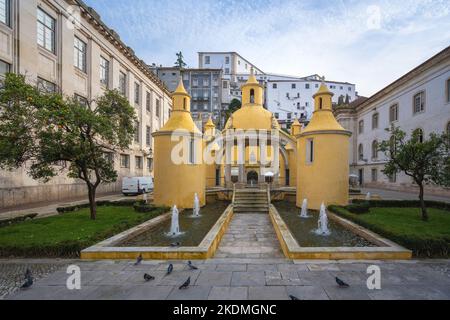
<point x="370" y="43"/>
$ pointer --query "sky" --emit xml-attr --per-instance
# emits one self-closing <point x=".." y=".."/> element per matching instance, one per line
<point x="369" y="43"/>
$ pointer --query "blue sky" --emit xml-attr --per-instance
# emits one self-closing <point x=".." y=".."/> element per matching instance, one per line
<point x="369" y="43"/>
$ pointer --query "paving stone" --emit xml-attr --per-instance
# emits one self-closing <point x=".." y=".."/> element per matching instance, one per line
<point x="323" y="267"/>
<point x="214" y="278"/>
<point x="144" y="292"/>
<point x="354" y="292"/>
<point x="232" y="267"/>
<point x="191" y="293"/>
<point x="401" y="292"/>
<point x="255" y="278"/>
<point x="262" y="267"/>
<point x="178" y="278"/>
<point x="291" y="267"/>
<point x="267" y="293"/>
<point x="228" y="293"/>
<point x="307" y="292"/>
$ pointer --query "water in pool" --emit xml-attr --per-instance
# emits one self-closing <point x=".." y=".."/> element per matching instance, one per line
<point x="192" y="229"/>
<point x="304" y="229"/>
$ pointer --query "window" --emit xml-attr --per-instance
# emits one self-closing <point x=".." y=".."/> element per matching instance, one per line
<point x="361" y="152"/>
<point x="310" y="151"/>
<point x="123" y="83"/>
<point x="148" y="102"/>
<point x="137" y="93"/>
<point x="374" y="149"/>
<point x="192" y="151"/>
<point x="81" y="100"/>
<point x="109" y="156"/>
<point x="393" y="113"/>
<point x="158" y="107"/>
<point x="320" y="103"/>
<point x="393" y="178"/>
<point x="341" y="87"/>
<point x="138" y="162"/>
<point x="277" y="115"/>
<point x="80" y="54"/>
<point x="375" y="121"/>
<point x="307" y="86"/>
<point x="361" y="127"/>
<point x="104" y="72"/>
<point x="289" y="115"/>
<point x="148" y="136"/>
<point x="149" y="164"/>
<point x="46" y="28"/>
<point x="136" y="132"/>
<point x="448" y="90"/>
<point x="275" y="86"/>
<point x="349" y="88"/>
<point x="227" y="71"/>
<point x="252" y="96"/>
<point x="4" y="11"/>
<point x="207" y="59"/>
<point x="293" y="86"/>
<point x="46" y="86"/>
<point x="4" y="68"/>
<point x="227" y="60"/>
<point x="374" y="175"/>
<point x="420" y="135"/>
<point x="419" y="102"/>
<point x="225" y="85"/>
<point x="124" y="161"/>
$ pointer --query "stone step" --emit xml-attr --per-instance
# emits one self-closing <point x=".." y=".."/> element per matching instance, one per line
<point x="250" y="210"/>
<point x="240" y="196"/>
<point x="252" y="201"/>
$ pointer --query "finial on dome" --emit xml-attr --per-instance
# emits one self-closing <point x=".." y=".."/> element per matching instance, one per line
<point x="210" y="123"/>
<point x="180" y="88"/>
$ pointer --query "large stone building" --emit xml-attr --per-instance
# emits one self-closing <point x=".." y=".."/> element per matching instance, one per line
<point x="418" y="100"/>
<point x="64" y="46"/>
<point x="203" y="85"/>
<point x="252" y="149"/>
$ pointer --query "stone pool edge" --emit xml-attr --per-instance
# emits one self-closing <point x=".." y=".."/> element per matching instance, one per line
<point x="106" y="250"/>
<point x="386" y="250"/>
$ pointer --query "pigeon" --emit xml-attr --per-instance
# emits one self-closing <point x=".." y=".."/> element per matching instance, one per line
<point x="186" y="284"/>
<point x="170" y="269"/>
<point x="27" y="274"/>
<point x="341" y="283"/>
<point x="191" y="266"/>
<point x="175" y="244"/>
<point x="293" y="297"/>
<point x="28" y="283"/>
<point x="138" y="260"/>
<point x="148" y="277"/>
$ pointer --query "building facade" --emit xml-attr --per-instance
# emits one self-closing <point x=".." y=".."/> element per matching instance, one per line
<point x="418" y="100"/>
<point x="64" y="46"/>
<point x="203" y="85"/>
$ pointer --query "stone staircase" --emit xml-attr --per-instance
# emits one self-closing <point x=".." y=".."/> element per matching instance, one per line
<point x="249" y="200"/>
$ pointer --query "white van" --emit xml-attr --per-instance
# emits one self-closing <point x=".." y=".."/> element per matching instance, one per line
<point x="136" y="185"/>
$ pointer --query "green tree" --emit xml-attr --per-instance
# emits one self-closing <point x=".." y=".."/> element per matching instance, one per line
<point x="45" y="129"/>
<point x="234" y="106"/>
<point x="424" y="160"/>
<point x="180" y="61"/>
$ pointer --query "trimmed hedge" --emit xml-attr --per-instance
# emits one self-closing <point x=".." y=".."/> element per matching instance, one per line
<point x="359" y="208"/>
<point x="121" y="203"/>
<point x="403" y="204"/>
<point x="425" y="247"/>
<point x="71" y="249"/>
<point x="11" y="221"/>
<point x="142" y="207"/>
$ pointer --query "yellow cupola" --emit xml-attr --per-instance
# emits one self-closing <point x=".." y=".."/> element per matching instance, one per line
<point x="296" y="128"/>
<point x="323" y="153"/>
<point x="252" y="92"/>
<point x="179" y="171"/>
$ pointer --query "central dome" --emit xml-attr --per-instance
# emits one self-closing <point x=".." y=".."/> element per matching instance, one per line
<point x="252" y="115"/>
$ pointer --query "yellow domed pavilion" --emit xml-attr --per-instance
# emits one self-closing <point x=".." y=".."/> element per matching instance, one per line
<point x="252" y="149"/>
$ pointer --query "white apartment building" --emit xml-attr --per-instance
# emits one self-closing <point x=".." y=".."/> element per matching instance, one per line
<point x="64" y="46"/>
<point x="418" y="100"/>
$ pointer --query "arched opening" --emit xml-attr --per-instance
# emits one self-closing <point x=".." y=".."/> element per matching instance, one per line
<point x="374" y="149"/>
<point x="420" y="135"/>
<point x="252" y="177"/>
<point x="320" y="103"/>
<point x="252" y="95"/>
<point x="361" y="152"/>
<point x="184" y="103"/>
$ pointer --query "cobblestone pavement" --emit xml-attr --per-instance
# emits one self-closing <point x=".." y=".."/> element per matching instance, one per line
<point x="237" y="279"/>
<point x="12" y="273"/>
<point x="250" y="236"/>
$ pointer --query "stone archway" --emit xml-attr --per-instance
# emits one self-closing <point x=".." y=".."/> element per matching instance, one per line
<point x="252" y="177"/>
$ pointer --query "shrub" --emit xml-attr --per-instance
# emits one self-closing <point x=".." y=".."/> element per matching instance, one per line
<point x="11" y="221"/>
<point x="359" y="208"/>
<point x="142" y="207"/>
<point x="120" y="203"/>
<point x="403" y="204"/>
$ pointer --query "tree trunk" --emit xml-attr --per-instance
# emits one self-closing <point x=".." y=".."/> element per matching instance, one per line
<point x="92" y="204"/>
<point x="422" y="203"/>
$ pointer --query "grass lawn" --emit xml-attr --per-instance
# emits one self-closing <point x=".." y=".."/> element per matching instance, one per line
<point x="405" y="226"/>
<point x="67" y="234"/>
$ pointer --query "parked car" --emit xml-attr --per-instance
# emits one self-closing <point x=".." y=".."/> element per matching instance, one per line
<point x="136" y="185"/>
